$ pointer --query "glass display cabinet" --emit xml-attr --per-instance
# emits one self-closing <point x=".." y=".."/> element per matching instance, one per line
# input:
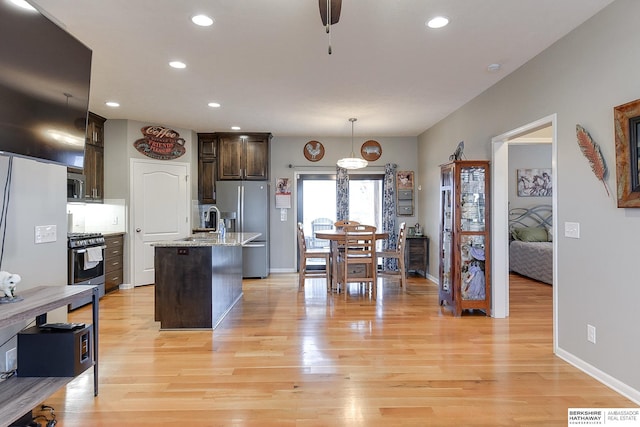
<point x="465" y="264"/>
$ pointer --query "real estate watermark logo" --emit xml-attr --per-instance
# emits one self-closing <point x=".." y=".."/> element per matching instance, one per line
<point x="603" y="416"/>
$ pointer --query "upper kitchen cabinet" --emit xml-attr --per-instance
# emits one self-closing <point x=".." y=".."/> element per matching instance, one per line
<point x="94" y="159"/>
<point x="243" y="156"/>
<point x="207" y="167"/>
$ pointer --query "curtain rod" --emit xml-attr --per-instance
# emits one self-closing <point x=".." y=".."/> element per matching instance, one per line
<point x="290" y="166"/>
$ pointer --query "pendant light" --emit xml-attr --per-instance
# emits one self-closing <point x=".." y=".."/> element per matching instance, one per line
<point x="352" y="162"/>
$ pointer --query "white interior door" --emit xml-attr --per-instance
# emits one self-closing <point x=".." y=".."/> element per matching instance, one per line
<point x="159" y="211"/>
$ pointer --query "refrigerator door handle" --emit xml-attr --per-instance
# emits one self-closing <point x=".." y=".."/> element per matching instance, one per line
<point x="239" y="208"/>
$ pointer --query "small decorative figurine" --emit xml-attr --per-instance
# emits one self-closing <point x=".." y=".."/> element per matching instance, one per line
<point x="8" y="284"/>
<point x="457" y="155"/>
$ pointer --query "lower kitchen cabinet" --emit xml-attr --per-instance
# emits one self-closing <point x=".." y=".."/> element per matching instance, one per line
<point x="114" y="260"/>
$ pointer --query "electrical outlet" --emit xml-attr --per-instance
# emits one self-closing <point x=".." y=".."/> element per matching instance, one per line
<point x="11" y="359"/>
<point x="591" y="333"/>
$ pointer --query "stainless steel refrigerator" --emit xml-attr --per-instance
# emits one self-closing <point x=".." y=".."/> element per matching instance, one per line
<point x="250" y="201"/>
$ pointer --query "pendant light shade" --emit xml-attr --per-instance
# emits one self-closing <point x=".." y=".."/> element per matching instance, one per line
<point x="352" y="162"/>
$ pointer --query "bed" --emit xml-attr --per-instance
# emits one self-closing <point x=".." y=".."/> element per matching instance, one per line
<point x="531" y="245"/>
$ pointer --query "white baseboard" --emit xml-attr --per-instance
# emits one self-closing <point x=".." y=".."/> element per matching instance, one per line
<point x="606" y="379"/>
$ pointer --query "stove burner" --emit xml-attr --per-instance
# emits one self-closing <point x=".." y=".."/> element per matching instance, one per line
<point x="83" y="240"/>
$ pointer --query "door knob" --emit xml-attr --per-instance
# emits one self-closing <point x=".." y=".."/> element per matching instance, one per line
<point x="138" y="230"/>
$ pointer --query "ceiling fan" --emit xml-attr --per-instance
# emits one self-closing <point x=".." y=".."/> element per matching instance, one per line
<point x="330" y="14"/>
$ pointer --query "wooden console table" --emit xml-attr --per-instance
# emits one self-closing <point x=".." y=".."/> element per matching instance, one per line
<point x="19" y="395"/>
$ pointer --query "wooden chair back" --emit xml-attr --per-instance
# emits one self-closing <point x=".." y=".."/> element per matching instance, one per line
<point x="359" y="259"/>
<point x="345" y="222"/>
<point x="306" y="254"/>
<point x="398" y="254"/>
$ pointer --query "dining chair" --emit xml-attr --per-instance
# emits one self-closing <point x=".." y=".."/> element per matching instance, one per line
<point x="344" y="222"/>
<point x="359" y="260"/>
<point x="311" y="253"/>
<point x="397" y="253"/>
<point x="338" y="249"/>
<point x="320" y="224"/>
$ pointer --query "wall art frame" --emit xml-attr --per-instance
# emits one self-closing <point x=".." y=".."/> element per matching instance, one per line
<point x="313" y="151"/>
<point x="534" y="183"/>
<point x="627" y="132"/>
<point x="371" y="150"/>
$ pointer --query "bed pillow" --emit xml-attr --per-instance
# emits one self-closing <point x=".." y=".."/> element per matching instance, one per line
<point x="530" y="234"/>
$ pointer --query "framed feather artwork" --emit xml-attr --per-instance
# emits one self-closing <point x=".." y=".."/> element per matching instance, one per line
<point x="626" y="123"/>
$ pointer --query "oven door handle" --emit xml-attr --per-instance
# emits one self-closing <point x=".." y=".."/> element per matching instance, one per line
<point x="83" y="250"/>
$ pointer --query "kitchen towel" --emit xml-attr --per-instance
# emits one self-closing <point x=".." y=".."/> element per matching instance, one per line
<point x="92" y="257"/>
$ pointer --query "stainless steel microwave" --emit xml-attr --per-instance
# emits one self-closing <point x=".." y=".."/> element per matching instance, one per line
<point x="76" y="187"/>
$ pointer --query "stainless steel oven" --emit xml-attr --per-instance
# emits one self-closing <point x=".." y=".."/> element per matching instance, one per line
<point x="86" y="262"/>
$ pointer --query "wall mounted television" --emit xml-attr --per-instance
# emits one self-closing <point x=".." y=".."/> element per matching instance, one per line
<point x="45" y="76"/>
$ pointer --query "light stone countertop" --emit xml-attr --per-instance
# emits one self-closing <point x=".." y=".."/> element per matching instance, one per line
<point x="210" y="239"/>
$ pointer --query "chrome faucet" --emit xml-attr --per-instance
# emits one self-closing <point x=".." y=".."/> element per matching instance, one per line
<point x="207" y="216"/>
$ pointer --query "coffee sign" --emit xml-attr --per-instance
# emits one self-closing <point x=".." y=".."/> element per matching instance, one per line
<point x="160" y="143"/>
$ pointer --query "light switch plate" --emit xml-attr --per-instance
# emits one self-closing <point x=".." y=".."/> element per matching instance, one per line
<point x="46" y="233"/>
<point x="572" y="230"/>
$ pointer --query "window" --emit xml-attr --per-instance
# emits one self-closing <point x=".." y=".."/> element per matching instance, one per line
<point x="316" y="197"/>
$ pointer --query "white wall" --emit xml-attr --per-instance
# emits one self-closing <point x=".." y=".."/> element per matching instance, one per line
<point x="38" y="197"/>
<point x="581" y="78"/>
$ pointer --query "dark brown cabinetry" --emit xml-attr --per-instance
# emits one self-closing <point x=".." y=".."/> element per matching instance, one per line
<point x="243" y="156"/>
<point x="94" y="159"/>
<point x="464" y="251"/>
<point x="416" y="255"/>
<point x="207" y="167"/>
<point x="113" y="261"/>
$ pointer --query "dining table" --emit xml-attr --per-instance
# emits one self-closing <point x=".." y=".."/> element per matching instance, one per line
<point x="334" y="237"/>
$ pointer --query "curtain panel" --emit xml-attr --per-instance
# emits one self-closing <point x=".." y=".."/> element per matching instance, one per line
<point x="342" y="194"/>
<point x="389" y="213"/>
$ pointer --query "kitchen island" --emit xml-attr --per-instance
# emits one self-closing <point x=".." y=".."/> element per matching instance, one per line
<point x="198" y="279"/>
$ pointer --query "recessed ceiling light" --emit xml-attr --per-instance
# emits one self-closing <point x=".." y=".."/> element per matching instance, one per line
<point x="493" y="67"/>
<point x="23" y="4"/>
<point x="202" y="20"/>
<point x="178" y="64"/>
<point x="213" y="105"/>
<point x="112" y="104"/>
<point x="438" y="22"/>
<point x="235" y="127"/>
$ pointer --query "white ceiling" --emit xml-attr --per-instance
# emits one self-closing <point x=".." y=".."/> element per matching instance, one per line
<point x="266" y="61"/>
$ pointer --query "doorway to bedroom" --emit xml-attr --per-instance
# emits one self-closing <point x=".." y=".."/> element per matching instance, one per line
<point x="521" y="150"/>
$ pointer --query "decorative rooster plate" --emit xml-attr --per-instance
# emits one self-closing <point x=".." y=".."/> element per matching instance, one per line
<point x="313" y="151"/>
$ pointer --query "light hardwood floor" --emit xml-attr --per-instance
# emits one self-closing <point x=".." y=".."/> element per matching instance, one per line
<point x="289" y="358"/>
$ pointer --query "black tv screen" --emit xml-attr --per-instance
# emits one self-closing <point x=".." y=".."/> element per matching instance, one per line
<point x="45" y="75"/>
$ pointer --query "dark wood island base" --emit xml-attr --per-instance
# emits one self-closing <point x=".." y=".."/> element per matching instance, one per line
<point x="197" y="282"/>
